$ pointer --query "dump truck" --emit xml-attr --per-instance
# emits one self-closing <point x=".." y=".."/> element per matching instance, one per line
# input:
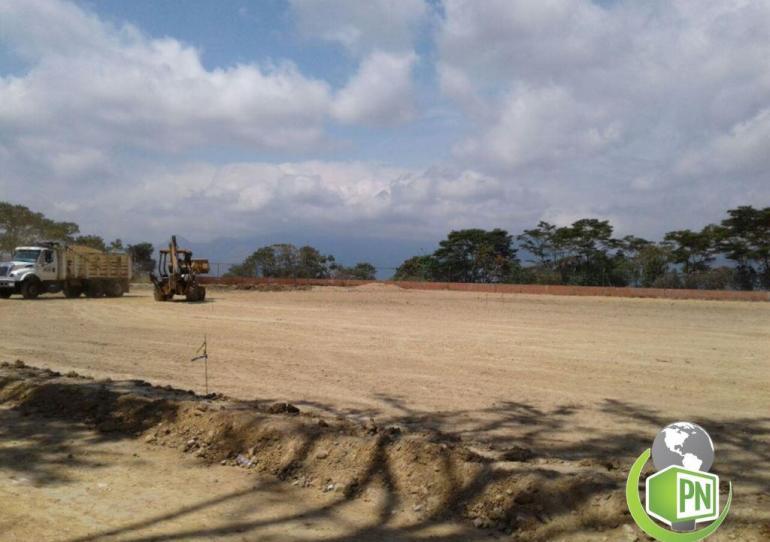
<point x="54" y="266"/>
<point x="178" y="274"/>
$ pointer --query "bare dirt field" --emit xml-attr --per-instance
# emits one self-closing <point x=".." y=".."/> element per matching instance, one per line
<point x="560" y="388"/>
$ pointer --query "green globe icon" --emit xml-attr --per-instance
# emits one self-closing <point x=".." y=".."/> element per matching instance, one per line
<point x="683" y="444"/>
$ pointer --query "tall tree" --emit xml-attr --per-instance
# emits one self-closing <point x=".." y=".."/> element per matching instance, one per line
<point x="93" y="241"/>
<point x="584" y="256"/>
<point x="539" y="242"/>
<point x="417" y="268"/>
<point x="745" y="239"/>
<point x="693" y="250"/>
<point x="142" y="257"/>
<point x="284" y="260"/>
<point x="312" y="264"/>
<point x="476" y="255"/>
<point x="653" y="261"/>
<point x="19" y="226"/>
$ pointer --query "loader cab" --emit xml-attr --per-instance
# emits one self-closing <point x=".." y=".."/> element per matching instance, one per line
<point x="166" y="262"/>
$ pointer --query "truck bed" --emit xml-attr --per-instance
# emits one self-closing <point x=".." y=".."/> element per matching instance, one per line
<point x="88" y="263"/>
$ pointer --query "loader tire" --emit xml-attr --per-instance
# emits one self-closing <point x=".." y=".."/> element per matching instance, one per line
<point x="196" y="294"/>
<point x="31" y="289"/>
<point x="72" y="291"/>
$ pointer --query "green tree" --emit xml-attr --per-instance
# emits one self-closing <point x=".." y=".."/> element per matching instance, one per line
<point x="653" y="263"/>
<point x="20" y="226"/>
<point x="476" y="255"/>
<point x="693" y="250"/>
<point x="284" y="260"/>
<point x="141" y="257"/>
<point x="540" y="243"/>
<point x="311" y="264"/>
<point x="93" y="241"/>
<point x="417" y="268"/>
<point x="745" y="239"/>
<point x="584" y="256"/>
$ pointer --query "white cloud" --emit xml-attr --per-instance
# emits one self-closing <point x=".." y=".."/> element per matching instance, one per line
<point x="542" y="125"/>
<point x="743" y="150"/>
<point x="362" y="26"/>
<point x="240" y="199"/>
<point x="91" y="83"/>
<point x="382" y="35"/>
<point x="654" y="115"/>
<point x="631" y="110"/>
<point x="381" y="93"/>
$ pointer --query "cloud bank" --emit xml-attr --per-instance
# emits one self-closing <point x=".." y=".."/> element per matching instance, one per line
<point x="655" y="115"/>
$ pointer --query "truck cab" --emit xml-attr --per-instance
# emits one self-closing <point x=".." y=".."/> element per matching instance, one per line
<point x="27" y="263"/>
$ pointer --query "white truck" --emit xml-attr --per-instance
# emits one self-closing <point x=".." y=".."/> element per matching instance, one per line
<point x="52" y="266"/>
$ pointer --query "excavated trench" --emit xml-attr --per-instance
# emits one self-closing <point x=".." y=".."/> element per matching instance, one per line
<point x="432" y="474"/>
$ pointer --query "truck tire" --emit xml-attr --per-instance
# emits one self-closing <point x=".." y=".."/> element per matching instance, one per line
<point x="159" y="295"/>
<point x="114" y="289"/>
<point x="30" y="289"/>
<point x="5" y="294"/>
<point x="72" y="291"/>
<point x="94" y="289"/>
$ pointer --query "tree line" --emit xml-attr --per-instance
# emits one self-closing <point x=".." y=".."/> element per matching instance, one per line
<point x="733" y="254"/>
<point x="21" y="226"/>
<point x="586" y="253"/>
<point x="284" y="260"/>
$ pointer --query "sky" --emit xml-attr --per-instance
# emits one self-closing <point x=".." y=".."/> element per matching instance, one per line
<point x="371" y="129"/>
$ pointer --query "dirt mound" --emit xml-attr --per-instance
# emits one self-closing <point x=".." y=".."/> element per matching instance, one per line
<point x="429" y="474"/>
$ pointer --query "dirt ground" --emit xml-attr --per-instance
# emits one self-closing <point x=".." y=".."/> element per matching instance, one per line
<point x="562" y="383"/>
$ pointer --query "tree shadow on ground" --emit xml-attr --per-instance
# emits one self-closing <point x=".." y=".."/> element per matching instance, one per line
<point x="37" y="452"/>
<point x="560" y="433"/>
<point x="554" y="475"/>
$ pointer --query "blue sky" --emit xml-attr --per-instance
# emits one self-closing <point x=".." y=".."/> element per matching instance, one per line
<point x="373" y="128"/>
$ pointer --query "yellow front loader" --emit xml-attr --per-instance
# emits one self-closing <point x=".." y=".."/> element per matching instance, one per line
<point x="178" y="274"/>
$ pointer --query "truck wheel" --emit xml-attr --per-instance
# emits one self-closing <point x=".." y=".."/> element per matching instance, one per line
<point x="201" y="293"/>
<point x="114" y="289"/>
<point x="31" y="289"/>
<point x="5" y="294"/>
<point x="159" y="295"/>
<point x="72" y="291"/>
<point x="95" y="289"/>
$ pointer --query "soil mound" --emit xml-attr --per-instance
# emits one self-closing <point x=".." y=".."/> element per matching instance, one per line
<point x="426" y="473"/>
